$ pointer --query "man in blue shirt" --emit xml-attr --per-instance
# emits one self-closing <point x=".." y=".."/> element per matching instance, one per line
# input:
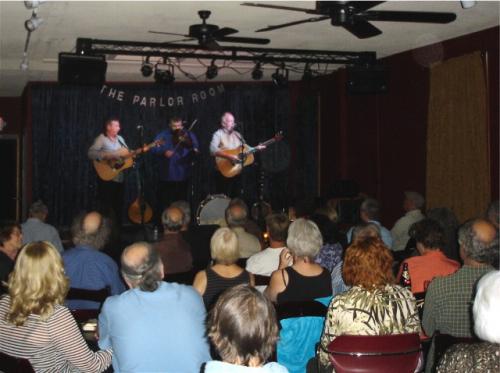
<point x="155" y="326"/>
<point x="85" y="265"/>
<point x="176" y="156"/>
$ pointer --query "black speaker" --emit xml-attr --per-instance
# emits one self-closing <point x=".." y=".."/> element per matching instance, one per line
<point x="81" y="69"/>
<point x="366" y="79"/>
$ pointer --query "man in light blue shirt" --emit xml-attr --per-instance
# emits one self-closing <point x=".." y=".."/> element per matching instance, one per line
<point x="155" y="326"/>
<point x="35" y="228"/>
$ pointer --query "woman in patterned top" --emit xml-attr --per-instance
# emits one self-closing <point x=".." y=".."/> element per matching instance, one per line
<point x="34" y="324"/>
<point x="374" y="305"/>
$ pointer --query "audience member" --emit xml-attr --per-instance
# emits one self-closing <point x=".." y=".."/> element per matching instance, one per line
<point x="374" y="305"/>
<point x="174" y="251"/>
<point x="485" y="356"/>
<point x="155" y="326"/>
<point x="250" y="225"/>
<point x="10" y="244"/>
<point x="86" y="266"/>
<point x="35" y="228"/>
<point x="225" y="273"/>
<point x="236" y="219"/>
<point x="412" y="205"/>
<point x="298" y="277"/>
<point x="429" y="238"/>
<point x="369" y="212"/>
<point x="267" y="261"/>
<point x="34" y="324"/>
<point x="330" y="253"/>
<point x="244" y="330"/>
<point x="449" y="222"/>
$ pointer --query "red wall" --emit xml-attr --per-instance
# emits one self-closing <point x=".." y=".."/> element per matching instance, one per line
<point x="379" y="140"/>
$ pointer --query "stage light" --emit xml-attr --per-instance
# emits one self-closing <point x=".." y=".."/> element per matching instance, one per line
<point x="164" y="73"/>
<point x="147" y="68"/>
<point x="257" y="72"/>
<point x="280" y="77"/>
<point x="212" y="70"/>
<point x="33" y="23"/>
<point x="33" y="4"/>
<point x="308" y="74"/>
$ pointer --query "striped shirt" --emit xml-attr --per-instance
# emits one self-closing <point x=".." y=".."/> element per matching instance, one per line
<point x="216" y="284"/>
<point x="54" y="345"/>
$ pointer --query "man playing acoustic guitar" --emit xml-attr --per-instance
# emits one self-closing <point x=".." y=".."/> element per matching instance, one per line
<point x="225" y="144"/>
<point x="109" y="146"/>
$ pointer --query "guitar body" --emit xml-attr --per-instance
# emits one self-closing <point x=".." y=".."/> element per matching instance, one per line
<point x="228" y="168"/>
<point x="109" y="169"/>
<point x="134" y="212"/>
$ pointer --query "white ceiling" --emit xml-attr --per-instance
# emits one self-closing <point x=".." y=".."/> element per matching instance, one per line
<point x="64" y="21"/>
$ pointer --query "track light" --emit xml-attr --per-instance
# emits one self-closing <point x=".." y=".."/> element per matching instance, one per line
<point x="468" y="4"/>
<point x="33" y="4"/>
<point x="147" y="68"/>
<point x="280" y="77"/>
<point x="212" y="70"/>
<point x="164" y="73"/>
<point x="308" y="74"/>
<point x="257" y="72"/>
<point x="33" y="23"/>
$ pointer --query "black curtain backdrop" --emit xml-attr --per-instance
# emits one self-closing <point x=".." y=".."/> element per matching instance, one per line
<point x="66" y="119"/>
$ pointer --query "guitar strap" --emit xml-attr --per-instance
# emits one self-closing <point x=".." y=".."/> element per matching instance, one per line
<point x="122" y="143"/>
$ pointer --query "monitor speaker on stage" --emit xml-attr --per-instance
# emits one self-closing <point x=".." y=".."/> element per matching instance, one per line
<point x="366" y="79"/>
<point x="81" y="69"/>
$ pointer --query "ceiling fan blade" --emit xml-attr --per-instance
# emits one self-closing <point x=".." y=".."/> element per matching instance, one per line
<point x="361" y="28"/>
<point x="236" y="39"/>
<point x="180" y="40"/>
<point x="395" y="16"/>
<point x="167" y="33"/>
<point x="315" y="19"/>
<point x="211" y="44"/>
<point x="304" y="10"/>
<point x="220" y="33"/>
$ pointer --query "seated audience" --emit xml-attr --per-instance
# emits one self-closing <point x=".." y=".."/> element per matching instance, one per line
<point x="35" y="325"/>
<point x="267" y="261"/>
<point x="369" y="212"/>
<point x="35" y="228"/>
<point x="174" y="251"/>
<point x="244" y="331"/>
<point x="236" y="219"/>
<point x="155" y="326"/>
<point x="449" y="222"/>
<point x="86" y="266"/>
<point x="298" y="277"/>
<point x="374" y="305"/>
<point x="412" y="205"/>
<point x="10" y="244"/>
<point x="429" y="237"/>
<point x="485" y="356"/>
<point x="225" y="273"/>
<point x="330" y="253"/>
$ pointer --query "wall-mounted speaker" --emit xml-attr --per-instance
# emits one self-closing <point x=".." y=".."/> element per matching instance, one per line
<point x="81" y="69"/>
<point x="366" y="79"/>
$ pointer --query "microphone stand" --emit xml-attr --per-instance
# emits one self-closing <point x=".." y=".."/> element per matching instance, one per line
<point x="141" y="173"/>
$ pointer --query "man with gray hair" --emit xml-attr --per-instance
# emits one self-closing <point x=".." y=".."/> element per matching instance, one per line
<point x="36" y="229"/>
<point x="369" y="212"/>
<point x="412" y="205"/>
<point x="85" y="265"/>
<point x="236" y="218"/>
<point x="448" y="299"/>
<point x="155" y="326"/>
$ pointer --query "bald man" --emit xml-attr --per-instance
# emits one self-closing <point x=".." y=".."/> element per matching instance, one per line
<point x="85" y="265"/>
<point x="174" y="251"/>
<point x="155" y="326"/>
<point x="236" y="219"/>
<point x="448" y="299"/>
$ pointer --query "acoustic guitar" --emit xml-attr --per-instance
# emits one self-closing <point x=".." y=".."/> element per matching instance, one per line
<point x="108" y="169"/>
<point x="231" y="168"/>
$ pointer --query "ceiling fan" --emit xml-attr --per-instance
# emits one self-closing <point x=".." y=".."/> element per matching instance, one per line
<point x="354" y="16"/>
<point x="209" y="35"/>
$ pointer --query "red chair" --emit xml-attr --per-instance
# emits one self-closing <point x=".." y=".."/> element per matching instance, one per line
<point x="399" y="353"/>
<point x="11" y="364"/>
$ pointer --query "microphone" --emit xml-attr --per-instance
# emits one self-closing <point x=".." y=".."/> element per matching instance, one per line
<point x="139" y="127"/>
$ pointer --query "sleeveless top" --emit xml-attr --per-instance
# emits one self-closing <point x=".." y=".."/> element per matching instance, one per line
<point x="303" y="288"/>
<point x="216" y="285"/>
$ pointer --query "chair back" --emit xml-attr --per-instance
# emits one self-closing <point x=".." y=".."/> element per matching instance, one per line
<point x="11" y="364"/>
<point x="261" y="280"/>
<point x="99" y="295"/>
<point x="185" y="278"/>
<point x="399" y="353"/>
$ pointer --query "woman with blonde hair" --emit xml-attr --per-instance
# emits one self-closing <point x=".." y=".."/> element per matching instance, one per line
<point x="225" y="273"/>
<point x="35" y="325"/>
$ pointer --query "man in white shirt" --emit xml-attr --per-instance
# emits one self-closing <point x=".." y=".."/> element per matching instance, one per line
<point x="413" y="203"/>
<point x="35" y="228"/>
<point x="267" y="261"/>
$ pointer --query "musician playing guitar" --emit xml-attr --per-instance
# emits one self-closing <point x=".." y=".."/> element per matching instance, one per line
<point x="110" y="146"/>
<point x="223" y="140"/>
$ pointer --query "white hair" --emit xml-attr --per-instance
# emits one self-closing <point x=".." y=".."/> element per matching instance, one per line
<point x="304" y="238"/>
<point x="487" y="308"/>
